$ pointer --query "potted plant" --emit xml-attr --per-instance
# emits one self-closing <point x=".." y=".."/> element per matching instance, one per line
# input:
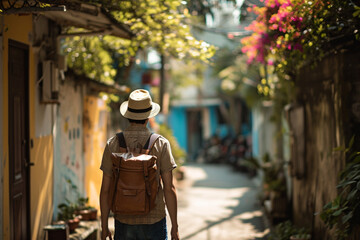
<point x="84" y="210"/>
<point x="81" y="207"/>
<point x="274" y="187"/>
<point x="67" y="214"/>
<point x="286" y="230"/>
<point x="252" y="165"/>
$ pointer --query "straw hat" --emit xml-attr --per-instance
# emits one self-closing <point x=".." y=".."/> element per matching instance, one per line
<point x="139" y="106"/>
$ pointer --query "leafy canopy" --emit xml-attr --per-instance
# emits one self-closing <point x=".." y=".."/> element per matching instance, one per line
<point x="155" y="23"/>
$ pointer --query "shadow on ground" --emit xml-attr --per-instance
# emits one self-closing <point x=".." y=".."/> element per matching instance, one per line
<point x="216" y="188"/>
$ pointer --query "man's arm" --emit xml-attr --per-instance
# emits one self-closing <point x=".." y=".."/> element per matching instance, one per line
<point x="171" y="202"/>
<point x="104" y="206"/>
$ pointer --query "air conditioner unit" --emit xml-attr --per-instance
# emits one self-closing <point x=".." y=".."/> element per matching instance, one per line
<point x="50" y="82"/>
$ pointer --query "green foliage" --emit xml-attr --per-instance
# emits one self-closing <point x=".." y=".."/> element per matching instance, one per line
<point x="83" y="204"/>
<point x="284" y="230"/>
<point x="94" y="56"/>
<point x="237" y="78"/>
<point x="252" y="163"/>
<point x="274" y="176"/>
<point x="184" y="74"/>
<point x="178" y="153"/>
<point x="189" y="73"/>
<point x="66" y="210"/>
<point x="343" y="212"/>
<point x="223" y="58"/>
<point x="157" y="24"/>
<point x="255" y="83"/>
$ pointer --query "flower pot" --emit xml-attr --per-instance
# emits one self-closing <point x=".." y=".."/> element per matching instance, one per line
<point x="93" y="215"/>
<point x="85" y="214"/>
<point x="73" y="224"/>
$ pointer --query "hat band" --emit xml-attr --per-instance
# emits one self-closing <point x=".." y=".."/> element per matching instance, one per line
<point x="139" y="110"/>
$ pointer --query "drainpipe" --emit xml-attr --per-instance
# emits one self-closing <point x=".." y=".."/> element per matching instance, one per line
<point x="2" y="155"/>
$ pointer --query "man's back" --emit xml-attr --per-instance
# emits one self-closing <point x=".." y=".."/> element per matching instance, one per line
<point x="138" y="110"/>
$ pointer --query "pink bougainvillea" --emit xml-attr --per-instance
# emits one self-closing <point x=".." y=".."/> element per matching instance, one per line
<point x="278" y="27"/>
<point x="286" y="32"/>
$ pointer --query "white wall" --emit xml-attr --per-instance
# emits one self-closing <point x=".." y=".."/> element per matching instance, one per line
<point x="263" y="132"/>
<point x="44" y="119"/>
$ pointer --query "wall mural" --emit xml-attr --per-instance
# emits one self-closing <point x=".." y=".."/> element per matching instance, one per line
<point x="68" y="146"/>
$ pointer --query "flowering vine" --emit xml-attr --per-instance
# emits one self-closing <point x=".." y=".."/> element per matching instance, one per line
<point x="288" y="32"/>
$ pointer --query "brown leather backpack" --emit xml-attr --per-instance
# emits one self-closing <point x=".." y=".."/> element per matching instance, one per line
<point x="134" y="185"/>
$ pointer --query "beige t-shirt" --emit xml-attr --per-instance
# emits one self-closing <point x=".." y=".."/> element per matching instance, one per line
<point x="135" y="137"/>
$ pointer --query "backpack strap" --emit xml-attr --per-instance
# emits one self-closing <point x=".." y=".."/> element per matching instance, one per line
<point x="151" y="141"/>
<point x="122" y="143"/>
<point x="147" y="147"/>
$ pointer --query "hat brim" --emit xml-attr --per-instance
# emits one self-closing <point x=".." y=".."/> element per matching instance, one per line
<point x="139" y="116"/>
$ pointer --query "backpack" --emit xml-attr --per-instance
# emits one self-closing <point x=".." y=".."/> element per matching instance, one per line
<point x="134" y="186"/>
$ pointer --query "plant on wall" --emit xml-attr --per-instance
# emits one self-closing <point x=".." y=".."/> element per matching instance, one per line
<point x="286" y="230"/>
<point x="343" y="212"/>
<point x="288" y="34"/>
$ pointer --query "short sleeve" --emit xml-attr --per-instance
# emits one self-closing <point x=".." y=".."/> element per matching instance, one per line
<point x="166" y="157"/>
<point x="106" y="163"/>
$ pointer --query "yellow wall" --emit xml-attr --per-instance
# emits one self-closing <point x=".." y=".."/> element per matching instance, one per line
<point x="94" y="143"/>
<point x="41" y="185"/>
<point x="19" y="28"/>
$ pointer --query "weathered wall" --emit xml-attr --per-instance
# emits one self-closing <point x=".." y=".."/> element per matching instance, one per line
<point x="95" y="129"/>
<point x="68" y="139"/>
<point x="325" y="92"/>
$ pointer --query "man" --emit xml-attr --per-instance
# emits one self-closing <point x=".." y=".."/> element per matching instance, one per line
<point x="138" y="109"/>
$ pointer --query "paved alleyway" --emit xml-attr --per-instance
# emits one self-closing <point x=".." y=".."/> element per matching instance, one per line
<point x="216" y="203"/>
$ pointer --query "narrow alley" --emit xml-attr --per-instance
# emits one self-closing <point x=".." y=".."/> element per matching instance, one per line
<point x="257" y="100"/>
<point x="216" y="203"/>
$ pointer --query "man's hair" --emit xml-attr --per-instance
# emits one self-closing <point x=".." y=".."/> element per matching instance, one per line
<point x="143" y="121"/>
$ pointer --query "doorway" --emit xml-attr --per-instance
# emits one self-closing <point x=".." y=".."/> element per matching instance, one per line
<point x="194" y="132"/>
<point x="19" y="140"/>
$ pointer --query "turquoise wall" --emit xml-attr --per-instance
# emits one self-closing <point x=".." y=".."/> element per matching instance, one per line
<point x="214" y="125"/>
<point x="177" y="122"/>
